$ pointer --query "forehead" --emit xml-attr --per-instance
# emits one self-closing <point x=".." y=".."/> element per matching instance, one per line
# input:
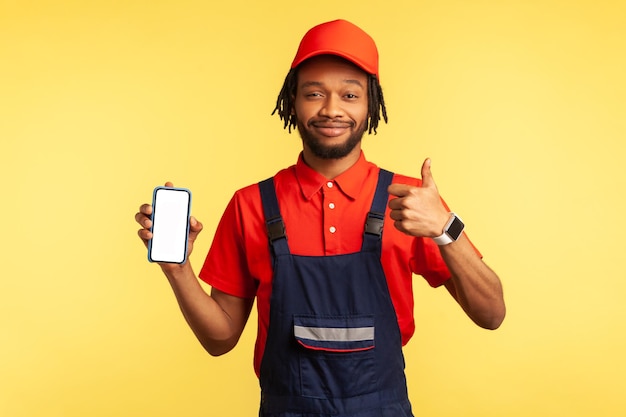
<point x="329" y="66"/>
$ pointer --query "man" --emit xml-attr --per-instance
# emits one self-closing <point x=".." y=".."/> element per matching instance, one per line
<point x="328" y="247"/>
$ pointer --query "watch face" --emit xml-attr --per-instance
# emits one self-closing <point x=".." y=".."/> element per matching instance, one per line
<point x="455" y="229"/>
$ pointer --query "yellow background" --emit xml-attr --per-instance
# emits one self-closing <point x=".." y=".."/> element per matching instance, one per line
<point x="521" y="105"/>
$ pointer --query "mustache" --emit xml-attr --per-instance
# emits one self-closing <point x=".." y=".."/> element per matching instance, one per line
<point x="330" y="123"/>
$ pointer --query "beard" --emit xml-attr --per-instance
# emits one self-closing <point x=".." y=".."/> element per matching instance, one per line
<point x="324" y="151"/>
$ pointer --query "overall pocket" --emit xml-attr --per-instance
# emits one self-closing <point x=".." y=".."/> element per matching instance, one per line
<point x="336" y="355"/>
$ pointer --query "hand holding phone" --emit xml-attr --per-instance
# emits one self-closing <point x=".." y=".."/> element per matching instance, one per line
<point x="171" y="208"/>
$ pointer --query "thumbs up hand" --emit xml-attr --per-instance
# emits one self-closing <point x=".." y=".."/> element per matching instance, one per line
<point x="418" y="211"/>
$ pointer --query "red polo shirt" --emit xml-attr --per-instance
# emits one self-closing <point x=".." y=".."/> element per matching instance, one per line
<point x="322" y="217"/>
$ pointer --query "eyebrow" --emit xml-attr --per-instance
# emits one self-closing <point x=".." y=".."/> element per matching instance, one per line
<point x="319" y="84"/>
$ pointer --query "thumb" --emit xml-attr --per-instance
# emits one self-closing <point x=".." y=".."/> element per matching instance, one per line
<point x="194" y="225"/>
<point x="427" y="176"/>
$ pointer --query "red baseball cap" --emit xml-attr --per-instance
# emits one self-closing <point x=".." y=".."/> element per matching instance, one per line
<point x="343" y="39"/>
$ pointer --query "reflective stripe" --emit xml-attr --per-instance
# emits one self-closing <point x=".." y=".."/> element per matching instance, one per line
<point x="334" y="334"/>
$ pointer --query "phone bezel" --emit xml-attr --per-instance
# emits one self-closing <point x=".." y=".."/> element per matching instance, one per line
<point x="154" y="210"/>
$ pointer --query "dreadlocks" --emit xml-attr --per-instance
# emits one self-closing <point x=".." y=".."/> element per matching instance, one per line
<point x="285" y="102"/>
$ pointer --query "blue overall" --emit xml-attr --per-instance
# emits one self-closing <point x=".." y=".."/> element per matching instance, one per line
<point x="333" y="345"/>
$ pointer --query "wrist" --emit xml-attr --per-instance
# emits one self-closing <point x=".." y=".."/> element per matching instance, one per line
<point x="175" y="272"/>
<point x="451" y="231"/>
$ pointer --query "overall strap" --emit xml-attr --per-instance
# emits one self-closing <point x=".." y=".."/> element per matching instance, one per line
<point x="373" y="233"/>
<point x="273" y="220"/>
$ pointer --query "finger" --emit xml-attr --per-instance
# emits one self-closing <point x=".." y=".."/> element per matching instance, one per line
<point x="143" y="220"/>
<point x="146" y="209"/>
<point x="398" y="204"/>
<point x="399" y="190"/>
<point x="195" y="225"/>
<point x="396" y="215"/>
<point x="427" y="175"/>
<point x="144" y="235"/>
<point x="399" y="224"/>
<point x="169" y="184"/>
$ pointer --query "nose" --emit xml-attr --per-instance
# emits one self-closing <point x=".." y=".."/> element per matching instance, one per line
<point x="332" y="107"/>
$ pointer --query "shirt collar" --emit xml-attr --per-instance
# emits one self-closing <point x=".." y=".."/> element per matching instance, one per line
<point x="349" y="182"/>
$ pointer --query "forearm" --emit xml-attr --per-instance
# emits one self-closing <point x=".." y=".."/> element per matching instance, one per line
<point x="213" y="327"/>
<point x="473" y="284"/>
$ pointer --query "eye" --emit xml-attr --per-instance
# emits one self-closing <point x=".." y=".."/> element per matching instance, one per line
<point x="313" y="95"/>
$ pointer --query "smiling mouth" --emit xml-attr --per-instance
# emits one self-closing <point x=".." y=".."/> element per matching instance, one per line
<point x="331" y="129"/>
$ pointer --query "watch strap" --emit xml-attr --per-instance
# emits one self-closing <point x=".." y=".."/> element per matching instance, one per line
<point x="446" y="238"/>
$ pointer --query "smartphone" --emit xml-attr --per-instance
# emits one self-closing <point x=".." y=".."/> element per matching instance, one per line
<point x="171" y="208"/>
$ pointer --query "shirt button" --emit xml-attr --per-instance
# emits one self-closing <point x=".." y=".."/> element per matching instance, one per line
<point x="332" y="229"/>
<point x="331" y="206"/>
<point x="329" y="184"/>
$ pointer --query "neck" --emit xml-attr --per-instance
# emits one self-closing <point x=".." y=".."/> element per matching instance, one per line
<point x="331" y="168"/>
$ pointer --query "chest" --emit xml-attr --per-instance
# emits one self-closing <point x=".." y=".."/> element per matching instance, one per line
<point x="329" y="223"/>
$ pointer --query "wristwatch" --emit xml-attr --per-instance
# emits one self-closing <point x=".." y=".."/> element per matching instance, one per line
<point x="451" y="231"/>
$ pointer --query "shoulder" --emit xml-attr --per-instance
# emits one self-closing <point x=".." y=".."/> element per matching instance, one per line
<point x="249" y="196"/>
<point x="404" y="179"/>
<point x="398" y="178"/>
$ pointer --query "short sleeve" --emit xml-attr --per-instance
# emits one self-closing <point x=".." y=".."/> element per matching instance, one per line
<point x="428" y="262"/>
<point x="225" y="267"/>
